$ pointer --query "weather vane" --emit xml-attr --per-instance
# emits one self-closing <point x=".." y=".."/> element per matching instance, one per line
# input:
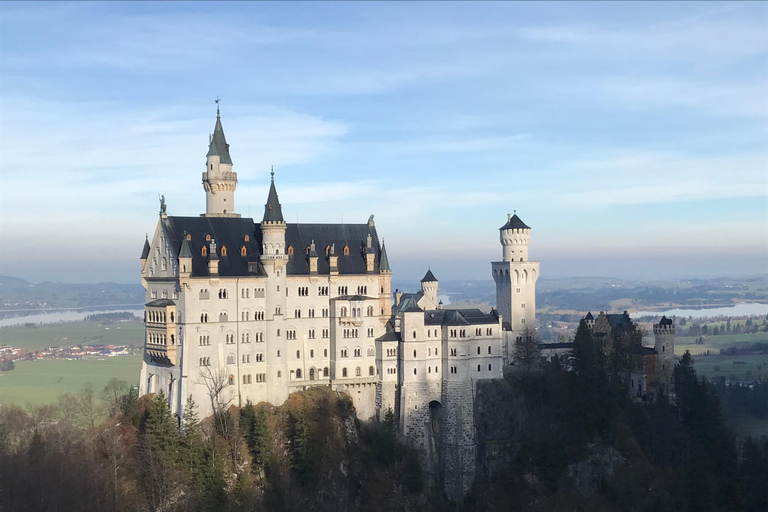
<point x="218" y="100"/>
<point x="273" y="173"/>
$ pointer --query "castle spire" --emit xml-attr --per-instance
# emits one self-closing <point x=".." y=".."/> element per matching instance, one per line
<point x="384" y="261"/>
<point x="218" y="146"/>
<point x="272" y="210"/>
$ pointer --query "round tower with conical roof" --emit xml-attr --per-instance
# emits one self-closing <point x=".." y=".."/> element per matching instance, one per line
<point x="515" y="278"/>
<point x="219" y="181"/>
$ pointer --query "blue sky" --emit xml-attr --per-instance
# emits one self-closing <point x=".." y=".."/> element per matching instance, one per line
<point x="632" y="137"/>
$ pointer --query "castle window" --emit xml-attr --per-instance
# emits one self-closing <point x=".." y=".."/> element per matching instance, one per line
<point x="489" y="349"/>
<point x="489" y="367"/>
<point x="207" y="238"/>
<point x="278" y="353"/>
<point x="279" y="374"/>
<point x="230" y="359"/>
<point x="522" y="305"/>
<point x="243" y="251"/>
<point x="436" y="369"/>
<point x="298" y="354"/>
<point x="325" y="352"/>
<point x="371" y="371"/>
<point x="311" y="354"/>
<point x="357" y="352"/>
<point x="224" y="248"/>
<point x="346" y="250"/>
<point x="414" y="371"/>
<point x="662" y="348"/>
<point x="325" y="371"/>
<point x="290" y="250"/>
<point x="478" y="367"/>
<point x="478" y="350"/>
<point x="189" y="237"/>
<point x="343" y="372"/>
<point x="204" y="251"/>
<point x="429" y="369"/>
<point x="344" y="352"/>
<point x="414" y="334"/>
<point x="298" y="374"/>
<point x="414" y="353"/>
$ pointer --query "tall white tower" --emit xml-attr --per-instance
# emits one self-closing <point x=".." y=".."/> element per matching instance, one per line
<point x="516" y="277"/>
<point x="218" y="179"/>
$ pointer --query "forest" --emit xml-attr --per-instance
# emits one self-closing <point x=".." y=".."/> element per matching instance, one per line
<point x="574" y="441"/>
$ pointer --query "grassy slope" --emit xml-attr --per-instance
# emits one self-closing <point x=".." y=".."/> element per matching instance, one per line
<point x="64" y="334"/>
<point x="41" y="381"/>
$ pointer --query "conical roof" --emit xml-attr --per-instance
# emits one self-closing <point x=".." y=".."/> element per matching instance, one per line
<point x="185" y="251"/>
<point x="429" y="277"/>
<point x="514" y="223"/>
<point x="272" y="210"/>
<point x="219" y="146"/>
<point x="384" y="262"/>
<point x="145" y="251"/>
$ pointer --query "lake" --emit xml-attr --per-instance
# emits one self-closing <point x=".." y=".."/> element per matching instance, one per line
<point x="65" y="315"/>
<point x="743" y="309"/>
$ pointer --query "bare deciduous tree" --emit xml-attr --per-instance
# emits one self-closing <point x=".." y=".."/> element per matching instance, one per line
<point x="216" y="381"/>
<point x="527" y="353"/>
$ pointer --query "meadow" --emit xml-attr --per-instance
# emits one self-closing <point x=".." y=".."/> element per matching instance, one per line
<point x="64" y="334"/>
<point x="710" y="363"/>
<point x="42" y="381"/>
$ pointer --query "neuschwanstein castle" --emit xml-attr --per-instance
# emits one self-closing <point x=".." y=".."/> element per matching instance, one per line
<point x="239" y="310"/>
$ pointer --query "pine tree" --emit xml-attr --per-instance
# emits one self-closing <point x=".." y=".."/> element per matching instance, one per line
<point x="160" y="429"/>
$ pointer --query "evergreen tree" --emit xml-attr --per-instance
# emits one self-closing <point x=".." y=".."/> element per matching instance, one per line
<point x="300" y="447"/>
<point x="160" y="428"/>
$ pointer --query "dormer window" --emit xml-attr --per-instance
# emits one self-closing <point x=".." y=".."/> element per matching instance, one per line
<point x="346" y="250"/>
<point x="247" y="238"/>
<point x="242" y="251"/>
<point x="290" y="250"/>
<point x="189" y="237"/>
<point x="207" y="238"/>
<point x="328" y="250"/>
<point x="204" y="251"/>
<point x="223" y="250"/>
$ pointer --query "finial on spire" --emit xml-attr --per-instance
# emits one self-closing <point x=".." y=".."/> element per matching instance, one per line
<point x="218" y="100"/>
<point x="514" y="212"/>
<point x="272" y="173"/>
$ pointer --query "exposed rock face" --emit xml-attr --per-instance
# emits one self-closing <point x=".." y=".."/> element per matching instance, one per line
<point x="599" y="466"/>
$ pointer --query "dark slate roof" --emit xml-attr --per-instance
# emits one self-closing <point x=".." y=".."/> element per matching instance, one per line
<point x="620" y="321"/>
<point x="405" y="301"/>
<point x="272" y="210"/>
<point x="160" y="303"/>
<point x="665" y="321"/>
<point x="384" y="263"/>
<point x="230" y="232"/>
<point x="389" y="336"/>
<point x="514" y="223"/>
<point x="640" y="350"/>
<point x="429" y="277"/>
<point x="185" y="252"/>
<point x="458" y="317"/>
<point x="219" y="144"/>
<point x="145" y="251"/>
<point x="410" y="305"/>
<point x="354" y="297"/>
<point x="589" y="316"/>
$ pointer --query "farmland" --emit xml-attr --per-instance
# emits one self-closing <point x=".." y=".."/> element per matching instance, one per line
<point x="40" y="382"/>
<point x="64" y="334"/>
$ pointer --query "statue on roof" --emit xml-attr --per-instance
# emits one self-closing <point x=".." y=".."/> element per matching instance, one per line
<point x="162" y="204"/>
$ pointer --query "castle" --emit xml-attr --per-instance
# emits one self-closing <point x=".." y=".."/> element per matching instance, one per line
<point x="242" y="311"/>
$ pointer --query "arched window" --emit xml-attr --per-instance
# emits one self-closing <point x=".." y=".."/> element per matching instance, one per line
<point x="414" y="334"/>
<point x="311" y="374"/>
<point x="414" y="371"/>
<point x="298" y="373"/>
<point x="414" y="353"/>
<point x="247" y="238"/>
<point x="231" y="380"/>
<point x="230" y="359"/>
<point x="325" y="371"/>
<point x="223" y="250"/>
<point x="371" y="370"/>
<point x="346" y="250"/>
<point x="290" y="253"/>
<point x="207" y="238"/>
<point x="189" y="237"/>
<point x="204" y="251"/>
<point x="243" y="251"/>
<point x="343" y="311"/>
<point x="343" y="372"/>
<point x="478" y="349"/>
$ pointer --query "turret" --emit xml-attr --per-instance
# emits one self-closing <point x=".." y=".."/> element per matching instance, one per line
<point x="429" y="288"/>
<point x="273" y="227"/>
<point x="145" y="253"/>
<point x="664" y="333"/>
<point x="218" y="179"/>
<point x="333" y="260"/>
<point x="515" y="236"/>
<point x="185" y="258"/>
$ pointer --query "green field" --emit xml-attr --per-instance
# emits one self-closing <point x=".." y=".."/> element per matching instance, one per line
<point x="41" y="381"/>
<point x="64" y="334"/>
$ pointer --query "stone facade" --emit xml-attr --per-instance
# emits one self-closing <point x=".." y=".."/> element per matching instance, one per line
<point x="238" y="311"/>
